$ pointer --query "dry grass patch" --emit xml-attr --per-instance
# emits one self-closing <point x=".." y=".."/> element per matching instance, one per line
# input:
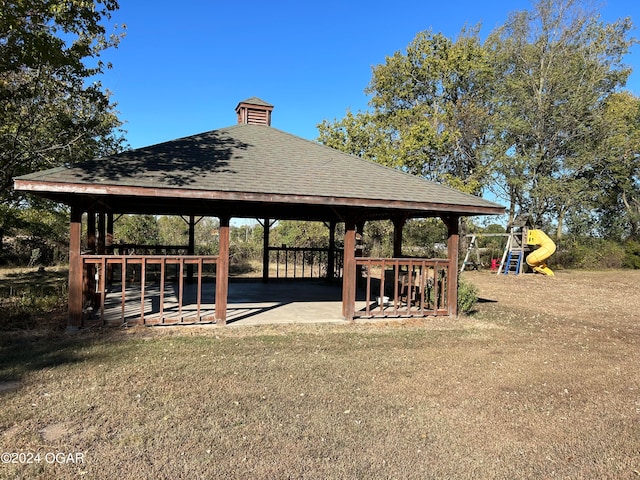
<point x="523" y="389"/>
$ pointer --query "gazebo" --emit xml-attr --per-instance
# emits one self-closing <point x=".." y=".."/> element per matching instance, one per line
<point x="253" y="170"/>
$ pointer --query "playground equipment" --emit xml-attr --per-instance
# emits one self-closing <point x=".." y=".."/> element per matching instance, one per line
<point x="519" y="241"/>
<point x="546" y="248"/>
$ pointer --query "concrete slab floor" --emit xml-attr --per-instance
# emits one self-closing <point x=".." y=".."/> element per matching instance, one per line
<point x="283" y="301"/>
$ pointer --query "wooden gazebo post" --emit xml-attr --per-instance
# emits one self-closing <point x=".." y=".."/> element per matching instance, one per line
<point x="398" y="225"/>
<point x="331" y="255"/>
<point x="349" y="275"/>
<point x="75" y="269"/>
<point x="452" y="223"/>
<point x="266" y="227"/>
<point x="222" y="272"/>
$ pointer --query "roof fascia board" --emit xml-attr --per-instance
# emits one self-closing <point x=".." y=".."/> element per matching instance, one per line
<point x="84" y="189"/>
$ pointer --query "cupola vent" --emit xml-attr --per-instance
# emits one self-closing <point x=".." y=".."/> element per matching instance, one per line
<point x="254" y="111"/>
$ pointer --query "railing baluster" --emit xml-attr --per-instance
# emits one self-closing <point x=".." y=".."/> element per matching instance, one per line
<point x="143" y="280"/>
<point x="103" y="287"/>
<point x="180" y="288"/>
<point x="418" y="286"/>
<point x="368" y="294"/>
<point x="162" y="280"/>
<point x="124" y="283"/>
<point x="396" y="281"/>
<point x="104" y="263"/>
<point x="199" y="288"/>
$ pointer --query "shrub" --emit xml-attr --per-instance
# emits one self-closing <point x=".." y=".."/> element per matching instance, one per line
<point x="632" y="254"/>
<point x="592" y="253"/>
<point x="467" y="296"/>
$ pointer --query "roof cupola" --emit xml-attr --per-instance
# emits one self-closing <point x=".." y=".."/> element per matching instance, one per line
<point x="254" y="111"/>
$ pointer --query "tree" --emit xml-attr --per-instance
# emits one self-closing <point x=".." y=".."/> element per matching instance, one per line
<point x="54" y="111"/>
<point x="137" y="230"/>
<point x="430" y="112"/>
<point x="557" y="66"/>
<point x="614" y="172"/>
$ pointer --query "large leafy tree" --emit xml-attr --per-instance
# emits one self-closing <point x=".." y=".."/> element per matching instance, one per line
<point x="54" y="109"/>
<point x="557" y="64"/>
<point x="430" y="111"/>
<point x="613" y="174"/>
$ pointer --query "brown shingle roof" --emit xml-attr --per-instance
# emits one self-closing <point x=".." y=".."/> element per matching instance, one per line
<point x="259" y="163"/>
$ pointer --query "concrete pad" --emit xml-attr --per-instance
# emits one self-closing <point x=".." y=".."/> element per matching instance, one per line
<point x="281" y="302"/>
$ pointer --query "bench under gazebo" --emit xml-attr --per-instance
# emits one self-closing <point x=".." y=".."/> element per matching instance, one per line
<point x="250" y="170"/>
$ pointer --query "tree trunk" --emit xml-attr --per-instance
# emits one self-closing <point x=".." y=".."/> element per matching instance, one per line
<point x="561" y="215"/>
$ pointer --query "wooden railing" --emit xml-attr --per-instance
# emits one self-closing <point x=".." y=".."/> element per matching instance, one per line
<point x="304" y="262"/>
<point x="397" y="287"/>
<point x="149" y="289"/>
<point x="138" y="249"/>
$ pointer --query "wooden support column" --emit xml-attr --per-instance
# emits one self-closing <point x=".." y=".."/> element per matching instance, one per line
<point x="91" y="231"/>
<point x="222" y="272"/>
<point x="266" y="227"/>
<point x="102" y="233"/>
<point x="89" y="277"/>
<point x="108" y="239"/>
<point x="359" y="251"/>
<point x="453" y="239"/>
<point x="108" y="245"/>
<point x="191" y="249"/>
<point x="75" y="301"/>
<point x="398" y="225"/>
<point x="349" y="276"/>
<point x="331" y="255"/>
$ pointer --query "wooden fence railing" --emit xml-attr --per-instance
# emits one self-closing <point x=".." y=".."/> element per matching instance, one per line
<point x="149" y="289"/>
<point x="396" y="287"/>
<point x="304" y="262"/>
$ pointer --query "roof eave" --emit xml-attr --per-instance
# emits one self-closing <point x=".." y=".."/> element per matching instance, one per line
<point x="68" y="191"/>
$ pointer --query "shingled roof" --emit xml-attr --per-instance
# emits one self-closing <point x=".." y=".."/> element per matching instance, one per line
<point x="244" y="167"/>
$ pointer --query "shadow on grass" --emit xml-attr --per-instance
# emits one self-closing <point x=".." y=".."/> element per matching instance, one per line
<point x="32" y="323"/>
<point x="33" y="299"/>
<point x="486" y="300"/>
<point x="27" y="351"/>
<point x="22" y="280"/>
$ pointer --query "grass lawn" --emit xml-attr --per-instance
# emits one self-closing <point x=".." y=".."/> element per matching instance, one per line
<point x="543" y="381"/>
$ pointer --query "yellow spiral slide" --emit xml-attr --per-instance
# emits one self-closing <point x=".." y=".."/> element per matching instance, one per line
<point x="546" y="248"/>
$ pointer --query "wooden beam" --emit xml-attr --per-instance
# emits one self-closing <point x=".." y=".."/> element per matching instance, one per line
<point x="191" y="249"/>
<point x="102" y="233"/>
<point x="331" y="256"/>
<point x="89" y="277"/>
<point x="74" y="319"/>
<point x="155" y="195"/>
<point x="398" y="225"/>
<point x="222" y="272"/>
<point x="266" y="227"/>
<point x="91" y="230"/>
<point x="108" y="246"/>
<point x="453" y="240"/>
<point x="349" y="275"/>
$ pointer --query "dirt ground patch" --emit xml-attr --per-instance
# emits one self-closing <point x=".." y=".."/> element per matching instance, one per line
<point x="570" y="294"/>
<point x="541" y="382"/>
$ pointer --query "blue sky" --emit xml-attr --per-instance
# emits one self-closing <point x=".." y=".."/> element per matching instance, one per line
<point x="184" y="66"/>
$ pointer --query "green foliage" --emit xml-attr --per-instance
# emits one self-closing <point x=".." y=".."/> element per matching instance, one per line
<point x="378" y="239"/>
<point x="535" y="115"/>
<point x="424" y="237"/>
<point x="590" y="253"/>
<point x="632" y="254"/>
<point x="39" y="236"/>
<point x="556" y="65"/>
<point x="30" y="299"/>
<point x="430" y="112"/>
<point x="300" y="234"/>
<point x="137" y="229"/>
<point x="467" y="296"/>
<point x="54" y="109"/>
